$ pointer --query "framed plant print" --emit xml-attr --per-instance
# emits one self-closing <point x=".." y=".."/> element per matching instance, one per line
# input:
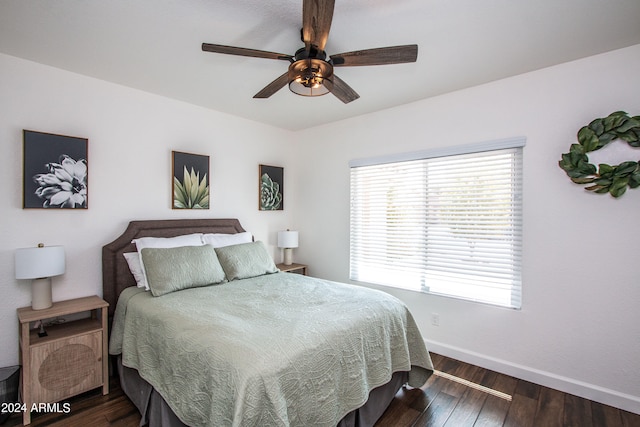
<point x="190" y="182"/>
<point x="271" y="188"/>
<point x="55" y="171"/>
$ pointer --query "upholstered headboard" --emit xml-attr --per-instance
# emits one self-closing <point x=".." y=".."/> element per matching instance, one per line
<point x="115" y="271"/>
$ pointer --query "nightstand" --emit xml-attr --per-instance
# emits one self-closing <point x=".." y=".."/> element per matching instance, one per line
<point x="293" y="268"/>
<point x="70" y="360"/>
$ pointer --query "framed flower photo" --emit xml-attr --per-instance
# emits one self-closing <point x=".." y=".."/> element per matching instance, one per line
<point x="190" y="182"/>
<point x="55" y="171"/>
<point x="271" y="188"/>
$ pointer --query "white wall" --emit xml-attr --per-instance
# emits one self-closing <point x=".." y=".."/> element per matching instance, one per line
<point x="131" y="135"/>
<point x="579" y="327"/>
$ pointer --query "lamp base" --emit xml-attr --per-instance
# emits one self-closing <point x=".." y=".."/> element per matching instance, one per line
<point x="41" y="294"/>
<point x="288" y="256"/>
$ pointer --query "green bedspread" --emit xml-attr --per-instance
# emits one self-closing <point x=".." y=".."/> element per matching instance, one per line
<point x="275" y="350"/>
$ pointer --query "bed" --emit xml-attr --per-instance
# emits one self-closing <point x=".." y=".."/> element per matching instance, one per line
<point x="258" y="348"/>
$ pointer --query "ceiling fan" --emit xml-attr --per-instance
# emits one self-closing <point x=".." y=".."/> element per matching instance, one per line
<point x="310" y="73"/>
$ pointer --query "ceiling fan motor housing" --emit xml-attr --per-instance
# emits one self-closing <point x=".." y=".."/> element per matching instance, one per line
<point x="308" y="72"/>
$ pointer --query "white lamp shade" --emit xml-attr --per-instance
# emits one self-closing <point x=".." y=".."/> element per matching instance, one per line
<point x="287" y="239"/>
<point x="39" y="262"/>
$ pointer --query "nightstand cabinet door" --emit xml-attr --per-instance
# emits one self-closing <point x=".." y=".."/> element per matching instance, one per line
<point x="66" y="367"/>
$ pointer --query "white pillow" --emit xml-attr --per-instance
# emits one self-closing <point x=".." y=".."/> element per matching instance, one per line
<point x="133" y="259"/>
<point x="222" y="240"/>
<point x="194" y="239"/>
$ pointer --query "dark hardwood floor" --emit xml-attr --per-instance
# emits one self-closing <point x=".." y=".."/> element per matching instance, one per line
<point x="458" y="395"/>
<point x="494" y="399"/>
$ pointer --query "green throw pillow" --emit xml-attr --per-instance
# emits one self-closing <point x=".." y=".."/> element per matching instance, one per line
<point x="245" y="260"/>
<point x="172" y="269"/>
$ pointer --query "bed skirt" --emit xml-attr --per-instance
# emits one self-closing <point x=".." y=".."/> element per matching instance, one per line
<point x="156" y="412"/>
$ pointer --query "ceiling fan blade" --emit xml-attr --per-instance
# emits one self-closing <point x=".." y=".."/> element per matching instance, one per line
<point x="316" y="22"/>
<point x="377" y="56"/>
<point x="274" y="86"/>
<point x="241" y="51"/>
<point x="340" y="89"/>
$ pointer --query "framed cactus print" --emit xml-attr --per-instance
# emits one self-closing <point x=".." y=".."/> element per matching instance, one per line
<point x="190" y="182"/>
<point x="55" y="171"/>
<point x="271" y="188"/>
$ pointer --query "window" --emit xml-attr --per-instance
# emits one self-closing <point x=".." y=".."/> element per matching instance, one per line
<point x="447" y="222"/>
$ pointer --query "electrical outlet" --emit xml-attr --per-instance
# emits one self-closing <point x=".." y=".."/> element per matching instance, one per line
<point x="435" y="319"/>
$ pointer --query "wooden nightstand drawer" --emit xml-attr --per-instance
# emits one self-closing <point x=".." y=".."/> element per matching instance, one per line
<point x="65" y="367"/>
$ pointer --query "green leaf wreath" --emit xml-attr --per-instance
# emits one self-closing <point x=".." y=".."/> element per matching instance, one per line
<point x="604" y="178"/>
<point x="191" y="193"/>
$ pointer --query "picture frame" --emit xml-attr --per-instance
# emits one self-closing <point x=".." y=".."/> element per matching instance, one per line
<point x="55" y="171"/>
<point x="190" y="181"/>
<point x="270" y="188"/>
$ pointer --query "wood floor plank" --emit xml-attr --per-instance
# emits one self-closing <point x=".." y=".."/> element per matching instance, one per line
<point x="132" y="420"/>
<point x="469" y="372"/>
<point x="467" y="410"/>
<point x="120" y="408"/>
<point x="405" y="408"/>
<point x="605" y="415"/>
<point x="488" y="378"/>
<point x="437" y="361"/>
<point x="454" y="388"/>
<point x="449" y="365"/>
<point x="495" y="409"/>
<point x="412" y="401"/>
<point x="431" y="389"/>
<point x="505" y="384"/>
<point x="550" y="409"/>
<point x="438" y="412"/>
<point x="629" y="419"/>
<point x="521" y="411"/>
<point x="401" y="416"/>
<point x="413" y="398"/>
<point x="493" y="412"/>
<point x="528" y="389"/>
<point x="577" y="412"/>
<point x="82" y="420"/>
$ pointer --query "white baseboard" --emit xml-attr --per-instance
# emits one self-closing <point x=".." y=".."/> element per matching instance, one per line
<point x="593" y="392"/>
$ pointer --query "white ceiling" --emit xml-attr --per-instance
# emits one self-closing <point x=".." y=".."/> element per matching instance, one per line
<point x="155" y="46"/>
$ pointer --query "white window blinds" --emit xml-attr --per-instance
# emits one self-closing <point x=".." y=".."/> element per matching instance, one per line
<point x="441" y="223"/>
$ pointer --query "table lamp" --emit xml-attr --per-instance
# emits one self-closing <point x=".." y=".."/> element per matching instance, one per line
<point x="40" y="264"/>
<point x="287" y="240"/>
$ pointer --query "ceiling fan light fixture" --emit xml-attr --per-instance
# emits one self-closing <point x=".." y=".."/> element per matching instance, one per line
<point x="306" y="77"/>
